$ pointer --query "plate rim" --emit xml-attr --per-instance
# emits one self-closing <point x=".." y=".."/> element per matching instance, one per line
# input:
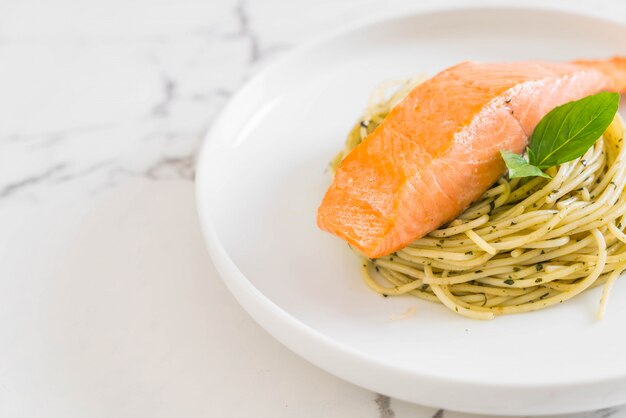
<point x="264" y="311"/>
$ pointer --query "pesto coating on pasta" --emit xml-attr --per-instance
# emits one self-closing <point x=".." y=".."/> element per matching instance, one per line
<point x="526" y="244"/>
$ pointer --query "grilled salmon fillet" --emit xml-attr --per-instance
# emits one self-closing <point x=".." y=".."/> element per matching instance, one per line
<point x="438" y="150"/>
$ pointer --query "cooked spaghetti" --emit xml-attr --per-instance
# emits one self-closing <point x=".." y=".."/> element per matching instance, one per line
<point x="527" y="244"/>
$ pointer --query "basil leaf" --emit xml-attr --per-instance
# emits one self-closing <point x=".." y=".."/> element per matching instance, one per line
<point x="568" y="131"/>
<point x="519" y="167"/>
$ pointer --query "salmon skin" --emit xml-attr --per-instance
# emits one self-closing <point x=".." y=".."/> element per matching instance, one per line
<point x="438" y="150"/>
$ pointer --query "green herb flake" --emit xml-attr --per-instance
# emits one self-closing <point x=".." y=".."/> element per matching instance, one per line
<point x="509" y="281"/>
<point x="539" y="267"/>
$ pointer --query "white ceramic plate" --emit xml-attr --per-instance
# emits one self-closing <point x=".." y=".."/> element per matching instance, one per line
<point x="262" y="175"/>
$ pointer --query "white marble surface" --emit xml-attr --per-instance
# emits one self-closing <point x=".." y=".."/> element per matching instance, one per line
<point x="109" y="304"/>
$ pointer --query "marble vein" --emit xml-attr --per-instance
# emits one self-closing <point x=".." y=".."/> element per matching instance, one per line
<point x="384" y="406"/>
<point x="32" y="180"/>
<point x="162" y="108"/>
<point x="179" y="167"/>
<point x="57" y="134"/>
<point x="84" y="172"/>
<point x="257" y="52"/>
<point x="245" y="31"/>
<point x="605" y="413"/>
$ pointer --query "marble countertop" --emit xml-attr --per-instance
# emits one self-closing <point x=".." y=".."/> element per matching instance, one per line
<point x="109" y="303"/>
